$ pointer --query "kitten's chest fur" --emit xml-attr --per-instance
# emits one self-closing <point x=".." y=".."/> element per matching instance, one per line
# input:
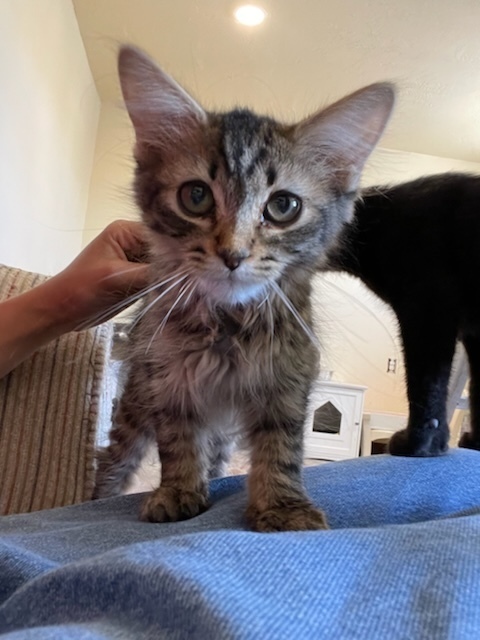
<point x="204" y="359"/>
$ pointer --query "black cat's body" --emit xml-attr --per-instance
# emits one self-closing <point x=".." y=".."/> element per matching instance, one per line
<point x="417" y="246"/>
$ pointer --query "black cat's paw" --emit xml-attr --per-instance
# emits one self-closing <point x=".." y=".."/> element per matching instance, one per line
<point x="467" y="441"/>
<point x="285" y="517"/>
<point x="168" y="504"/>
<point x="428" y="442"/>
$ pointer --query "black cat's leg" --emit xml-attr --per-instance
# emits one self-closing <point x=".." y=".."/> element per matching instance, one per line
<point x="429" y="347"/>
<point x="183" y="451"/>
<point x="472" y="440"/>
<point x="277" y="500"/>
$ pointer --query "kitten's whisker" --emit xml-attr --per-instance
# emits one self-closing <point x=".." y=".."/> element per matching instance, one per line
<point x="123" y="271"/>
<point x="181" y="277"/>
<point x="263" y="301"/>
<point x="179" y="297"/>
<point x="161" y="326"/>
<point x="189" y="297"/>
<point x="295" y="314"/>
<point x="116" y="308"/>
<point x="154" y="302"/>
<point x="272" y="333"/>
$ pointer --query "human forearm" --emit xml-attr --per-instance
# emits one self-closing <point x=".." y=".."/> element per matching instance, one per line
<point x="27" y="322"/>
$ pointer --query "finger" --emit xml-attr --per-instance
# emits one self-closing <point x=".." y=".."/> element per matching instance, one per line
<point x="137" y="254"/>
<point x="130" y="240"/>
<point x="127" y="233"/>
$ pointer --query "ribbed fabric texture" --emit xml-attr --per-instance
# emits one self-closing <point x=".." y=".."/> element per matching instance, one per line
<point x="49" y="407"/>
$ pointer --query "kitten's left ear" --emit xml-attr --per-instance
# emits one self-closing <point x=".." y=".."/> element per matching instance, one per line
<point x="343" y="135"/>
<point x="160" y="109"/>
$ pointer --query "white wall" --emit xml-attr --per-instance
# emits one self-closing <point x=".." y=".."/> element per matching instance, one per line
<point x="48" y="120"/>
<point x="110" y="190"/>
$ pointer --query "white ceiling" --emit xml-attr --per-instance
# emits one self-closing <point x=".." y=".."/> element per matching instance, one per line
<point x="308" y="53"/>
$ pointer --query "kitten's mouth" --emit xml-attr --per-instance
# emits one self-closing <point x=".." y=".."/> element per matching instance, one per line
<point x="234" y="288"/>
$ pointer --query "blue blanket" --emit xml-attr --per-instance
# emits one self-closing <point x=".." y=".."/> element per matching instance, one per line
<point x="402" y="560"/>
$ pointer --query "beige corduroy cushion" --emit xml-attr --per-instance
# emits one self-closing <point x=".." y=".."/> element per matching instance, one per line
<point x="49" y="413"/>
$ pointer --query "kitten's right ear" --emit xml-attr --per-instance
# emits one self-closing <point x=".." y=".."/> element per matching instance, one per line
<point x="343" y="135"/>
<point x="159" y="108"/>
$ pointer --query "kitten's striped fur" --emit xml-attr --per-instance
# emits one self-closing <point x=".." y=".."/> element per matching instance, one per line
<point x="218" y="350"/>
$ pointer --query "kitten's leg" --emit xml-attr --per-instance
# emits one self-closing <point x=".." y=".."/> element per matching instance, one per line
<point x="472" y="440"/>
<point x="183" y="451"/>
<point x="277" y="499"/>
<point x="117" y="462"/>
<point x="429" y="348"/>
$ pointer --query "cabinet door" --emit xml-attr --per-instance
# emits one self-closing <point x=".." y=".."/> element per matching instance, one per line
<point x="332" y="430"/>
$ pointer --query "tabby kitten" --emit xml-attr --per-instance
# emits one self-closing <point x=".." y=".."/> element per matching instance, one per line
<point x="238" y="210"/>
<point x="416" y="245"/>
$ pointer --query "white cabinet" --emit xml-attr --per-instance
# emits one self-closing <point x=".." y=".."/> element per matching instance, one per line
<point x="334" y="421"/>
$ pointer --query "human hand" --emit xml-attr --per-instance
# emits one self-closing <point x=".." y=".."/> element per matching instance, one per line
<point x="105" y="278"/>
<point x="101" y="281"/>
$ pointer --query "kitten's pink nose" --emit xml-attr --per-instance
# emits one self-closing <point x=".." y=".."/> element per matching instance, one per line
<point x="232" y="259"/>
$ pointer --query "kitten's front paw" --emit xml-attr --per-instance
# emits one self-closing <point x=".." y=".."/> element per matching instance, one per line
<point x="168" y="504"/>
<point x="294" y="517"/>
<point x="468" y="442"/>
<point x="429" y="441"/>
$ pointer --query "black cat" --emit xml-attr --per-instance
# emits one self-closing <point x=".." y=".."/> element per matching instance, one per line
<point x="417" y="246"/>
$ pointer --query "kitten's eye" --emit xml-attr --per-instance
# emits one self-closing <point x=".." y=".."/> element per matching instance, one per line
<point x="196" y="198"/>
<point x="283" y="207"/>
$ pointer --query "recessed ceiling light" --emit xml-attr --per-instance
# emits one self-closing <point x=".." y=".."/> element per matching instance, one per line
<point x="250" y="15"/>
